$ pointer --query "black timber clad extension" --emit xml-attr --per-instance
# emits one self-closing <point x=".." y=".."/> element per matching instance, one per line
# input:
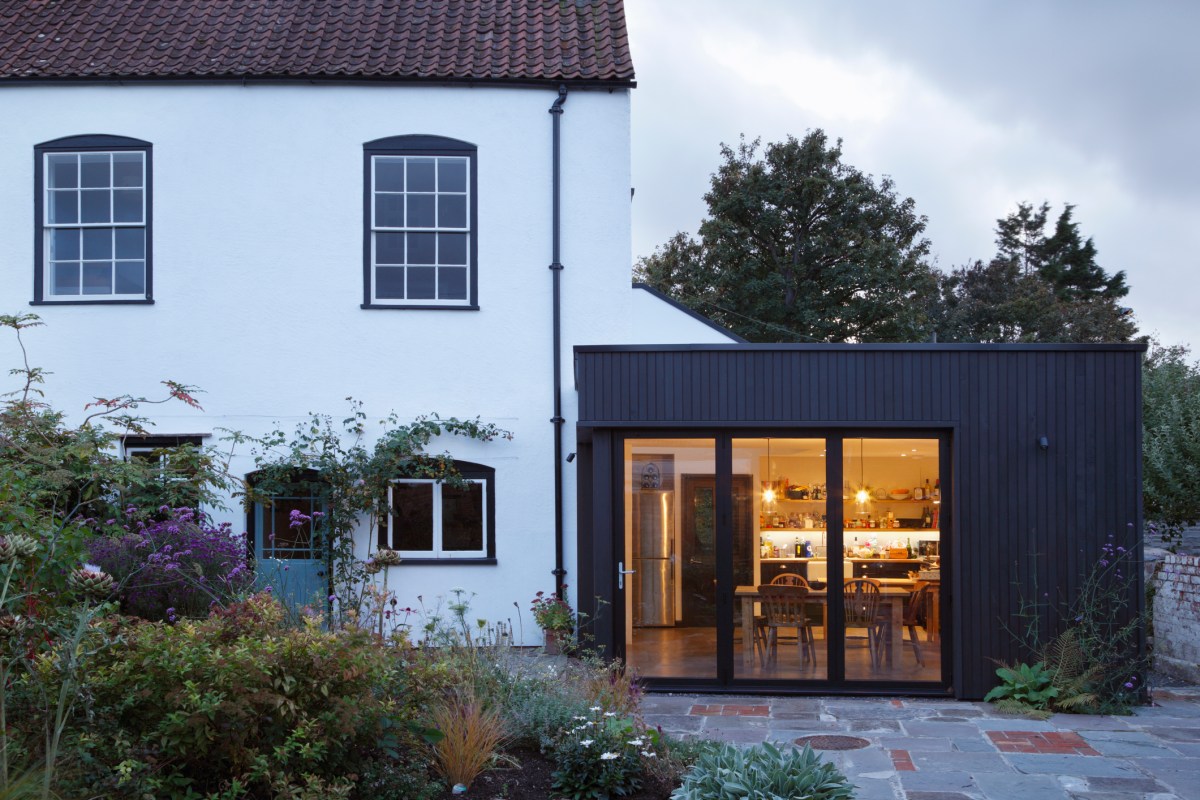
<point x="1025" y="519"/>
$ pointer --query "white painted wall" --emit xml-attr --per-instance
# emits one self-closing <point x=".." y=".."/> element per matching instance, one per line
<point x="258" y="226"/>
<point x="656" y="320"/>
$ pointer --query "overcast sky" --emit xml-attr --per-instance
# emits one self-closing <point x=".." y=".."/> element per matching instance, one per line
<point x="970" y="106"/>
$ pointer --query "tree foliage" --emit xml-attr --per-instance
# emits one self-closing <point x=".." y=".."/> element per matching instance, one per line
<point x="800" y="246"/>
<point x="1039" y="287"/>
<point x="1171" y="437"/>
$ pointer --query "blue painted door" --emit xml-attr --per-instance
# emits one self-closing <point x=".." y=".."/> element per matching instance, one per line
<point x="289" y="551"/>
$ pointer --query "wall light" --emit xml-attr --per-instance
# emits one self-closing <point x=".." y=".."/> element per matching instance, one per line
<point x="1044" y="442"/>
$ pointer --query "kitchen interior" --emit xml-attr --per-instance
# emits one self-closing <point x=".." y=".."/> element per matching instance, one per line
<point x="891" y="512"/>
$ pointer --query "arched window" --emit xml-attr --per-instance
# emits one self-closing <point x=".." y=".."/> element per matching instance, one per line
<point x="93" y="210"/>
<point x="443" y="521"/>
<point x="419" y="243"/>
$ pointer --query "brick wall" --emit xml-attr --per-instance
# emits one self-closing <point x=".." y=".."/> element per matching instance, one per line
<point x="1177" y="617"/>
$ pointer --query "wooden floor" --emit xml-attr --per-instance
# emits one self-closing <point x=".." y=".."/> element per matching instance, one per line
<point x="692" y="653"/>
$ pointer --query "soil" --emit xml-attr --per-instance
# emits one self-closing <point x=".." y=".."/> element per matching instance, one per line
<point x="531" y="780"/>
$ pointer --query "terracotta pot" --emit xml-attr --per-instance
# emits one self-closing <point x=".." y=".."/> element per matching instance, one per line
<point x="555" y="640"/>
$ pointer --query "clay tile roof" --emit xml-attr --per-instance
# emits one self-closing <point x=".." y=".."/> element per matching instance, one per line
<point x="437" y="40"/>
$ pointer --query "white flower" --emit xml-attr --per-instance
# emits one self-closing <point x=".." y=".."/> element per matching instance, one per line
<point x="596" y="708"/>
<point x="608" y="756"/>
<point x="610" y="713"/>
<point x="585" y="743"/>
<point x="579" y="717"/>
<point x="636" y="742"/>
<point x="647" y="754"/>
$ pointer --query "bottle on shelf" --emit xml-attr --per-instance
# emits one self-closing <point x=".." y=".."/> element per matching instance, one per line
<point x="928" y="520"/>
<point x="937" y="490"/>
<point x="908" y="547"/>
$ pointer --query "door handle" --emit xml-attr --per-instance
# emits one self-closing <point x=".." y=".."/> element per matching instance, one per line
<point x="321" y="574"/>
<point x="621" y="573"/>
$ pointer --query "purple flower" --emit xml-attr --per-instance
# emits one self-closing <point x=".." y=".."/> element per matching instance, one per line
<point x="1128" y="685"/>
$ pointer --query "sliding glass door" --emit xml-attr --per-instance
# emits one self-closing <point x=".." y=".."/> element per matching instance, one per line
<point x="782" y="560"/>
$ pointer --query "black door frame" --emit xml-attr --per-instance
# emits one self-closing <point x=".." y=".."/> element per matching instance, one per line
<point x="834" y="437"/>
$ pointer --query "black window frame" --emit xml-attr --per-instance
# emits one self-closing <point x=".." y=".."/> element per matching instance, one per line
<point x="469" y="471"/>
<point x="88" y="143"/>
<point x="422" y="145"/>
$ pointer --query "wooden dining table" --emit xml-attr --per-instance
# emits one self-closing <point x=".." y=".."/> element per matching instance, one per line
<point x="893" y="594"/>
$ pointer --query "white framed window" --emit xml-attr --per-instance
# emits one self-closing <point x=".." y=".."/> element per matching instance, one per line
<point x="435" y="519"/>
<point x="93" y="221"/>
<point x="420" y="249"/>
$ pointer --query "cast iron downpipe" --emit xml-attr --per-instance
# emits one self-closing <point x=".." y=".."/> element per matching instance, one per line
<point x="556" y="268"/>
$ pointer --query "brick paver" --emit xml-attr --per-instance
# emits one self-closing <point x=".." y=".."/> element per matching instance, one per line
<point x="1057" y="742"/>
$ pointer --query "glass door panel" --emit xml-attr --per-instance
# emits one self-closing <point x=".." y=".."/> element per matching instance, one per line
<point x="669" y="573"/>
<point x="891" y="498"/>
<point x="781" y="625"/>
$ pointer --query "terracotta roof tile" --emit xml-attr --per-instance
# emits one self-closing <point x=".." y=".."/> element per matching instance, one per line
<point x="451" y="40"/>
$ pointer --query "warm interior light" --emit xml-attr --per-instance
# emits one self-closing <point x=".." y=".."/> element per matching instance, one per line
<point x="768" y="495"/>
<point x="862" y="496"/>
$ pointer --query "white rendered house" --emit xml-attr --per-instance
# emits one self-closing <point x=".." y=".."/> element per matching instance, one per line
<point x="291" y="203"/>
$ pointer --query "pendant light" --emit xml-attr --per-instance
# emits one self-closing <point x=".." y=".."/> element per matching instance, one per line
<point x="863" y="495"/>
<point x="768" y="495"/>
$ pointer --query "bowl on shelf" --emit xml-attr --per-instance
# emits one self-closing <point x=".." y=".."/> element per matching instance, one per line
<point x="900" y="494"/>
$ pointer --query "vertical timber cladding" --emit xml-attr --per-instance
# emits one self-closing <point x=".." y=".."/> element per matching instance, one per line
<point x="1027" y="520"/>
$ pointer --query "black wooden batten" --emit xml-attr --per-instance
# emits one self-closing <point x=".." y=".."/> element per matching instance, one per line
<point x="1024" y="515"/>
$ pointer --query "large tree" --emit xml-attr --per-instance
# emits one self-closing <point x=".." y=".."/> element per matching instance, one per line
<point x="1039" y="287"/>
<point x="1171" y="437"/>
<point x="799" y="246"/>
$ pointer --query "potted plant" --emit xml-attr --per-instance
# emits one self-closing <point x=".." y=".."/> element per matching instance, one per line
<point x="553" y="615"/>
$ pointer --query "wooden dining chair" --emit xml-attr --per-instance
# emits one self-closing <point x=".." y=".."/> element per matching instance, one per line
<point x="920" y="612"/>
<point x="762" y="633"/>
<point x="861" y="608"/>
<point x="785" y="607"/>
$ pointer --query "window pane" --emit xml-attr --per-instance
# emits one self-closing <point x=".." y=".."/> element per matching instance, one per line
<point x="131" y="277"/>
<point x="389" y="211"/>
<point x="64" y="208"/>
<point x="127" y="205"/>
<point x="127" y="169"/>
<point x="421" y="283"/>
<point x="97" y="277"/>
<point x="420" y="175"/>
<point x="64" y="245"/>
<point x="420" y="211"/>
<point x="462" y="517"/>
<point x="452" y="248"/>
<point x="389" y="248"/>
<point x="412" y="516"/>
<point x="452" y="283"/>
<point x="452" y="211"/>
<point x="131" y="243"/>
<point x="389" y="174"/>
<point x="94" y="206"/>
<point x="389" y="283"/>
<point x="64" y="171"/>
<point x="420" y="248"/>
<point x="97" y="243"/>
<point x="94" y="170"/>
<point x="280" y="539"/>
<point x="452" y="174"/>
<point x="65" y="278"/>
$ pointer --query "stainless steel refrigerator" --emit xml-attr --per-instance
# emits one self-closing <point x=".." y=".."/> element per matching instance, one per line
<point x="653" y="557"/>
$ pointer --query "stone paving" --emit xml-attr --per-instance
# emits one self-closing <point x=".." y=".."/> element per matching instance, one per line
<point x="927" y="749"/>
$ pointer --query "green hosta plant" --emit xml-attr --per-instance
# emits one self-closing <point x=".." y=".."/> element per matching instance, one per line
<point x="762" y="772"/>
<point x="1031" y="686"/>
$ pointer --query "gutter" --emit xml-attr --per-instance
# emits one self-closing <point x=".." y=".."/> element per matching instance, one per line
<point x="556" y="268"/>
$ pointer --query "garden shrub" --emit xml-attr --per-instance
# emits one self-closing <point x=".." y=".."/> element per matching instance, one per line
<point x="240" y="702"/>
<point x="172" y="568"/>
<point x="762" y="772"/>
<point x="600" y="756"/>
